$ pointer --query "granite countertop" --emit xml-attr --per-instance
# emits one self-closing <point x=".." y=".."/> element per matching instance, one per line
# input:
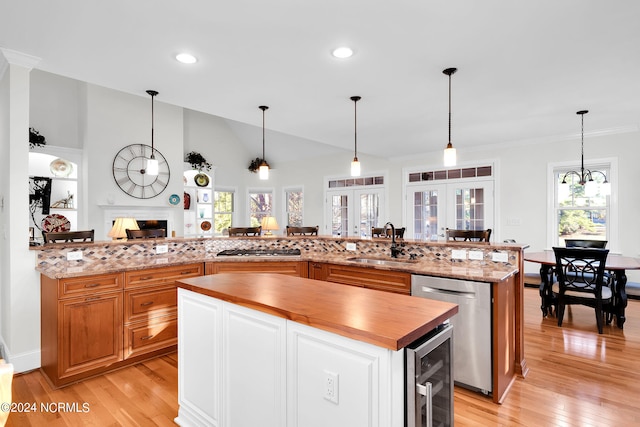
<point x="430" y="259"/>
<point x="384" y="319"/>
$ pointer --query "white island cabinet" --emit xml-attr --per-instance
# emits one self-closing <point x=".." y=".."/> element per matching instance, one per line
<point x="248" y="356"/>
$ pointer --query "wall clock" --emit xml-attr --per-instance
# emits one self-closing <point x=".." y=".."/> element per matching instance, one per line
<point x="130" y="174"/>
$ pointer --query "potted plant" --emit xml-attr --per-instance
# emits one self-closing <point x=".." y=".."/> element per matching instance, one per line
<point x="255" y="165"/>
<point x="197" y="161"/>
<point x="35" y="139"/>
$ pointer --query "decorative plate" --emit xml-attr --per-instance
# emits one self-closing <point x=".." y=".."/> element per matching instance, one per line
<point x="201" y="179"/>
<point x="61" y="168"/>
<point x="55" y="223"/>
<point x="205" y="225"/>
<point x="174" y="199"/>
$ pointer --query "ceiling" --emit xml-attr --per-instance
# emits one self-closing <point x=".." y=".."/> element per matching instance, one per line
<point x="524" y="67"/>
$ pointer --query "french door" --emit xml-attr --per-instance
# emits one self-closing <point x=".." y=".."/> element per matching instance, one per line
<point x="352" y="212"/>
<point x="464" y="204"/>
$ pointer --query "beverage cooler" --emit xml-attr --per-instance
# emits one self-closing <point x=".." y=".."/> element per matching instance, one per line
<point x="429" y="379"/>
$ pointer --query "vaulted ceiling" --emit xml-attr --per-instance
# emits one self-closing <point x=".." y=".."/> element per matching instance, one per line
<point x="524" y="67"/>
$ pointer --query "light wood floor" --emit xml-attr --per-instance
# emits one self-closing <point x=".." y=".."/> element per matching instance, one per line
<point x="576" y="378"/>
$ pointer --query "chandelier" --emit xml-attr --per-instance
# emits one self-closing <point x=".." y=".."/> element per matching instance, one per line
<point x="585" y="176"/>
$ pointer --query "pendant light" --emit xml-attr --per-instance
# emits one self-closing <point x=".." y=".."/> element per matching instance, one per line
<point x="263" y="170"/>
<point x="450" y="152"/>
<point x="151" y="167"/>
<point x="585" y="175"/>
<point x="355" y="164"/>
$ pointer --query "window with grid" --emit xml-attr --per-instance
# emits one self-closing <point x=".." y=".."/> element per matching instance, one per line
<point x="222" y="210"/>
<point x="260" y="206"/>
<point x="294" y="207"/>
<point x="581" y="211"/>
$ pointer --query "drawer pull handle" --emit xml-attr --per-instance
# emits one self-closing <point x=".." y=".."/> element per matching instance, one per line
<point x="146" y="304"/>
<point x="92" y="285"/>
<point x="148" y="337"/>
<point x="146" y="278"/>
<point x="186" y="272"/>
<point x="92" y="299"/>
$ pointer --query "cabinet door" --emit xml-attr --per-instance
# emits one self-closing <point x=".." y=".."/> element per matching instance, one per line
<point x="90" y="333"/>
<point x="254" y="360"/>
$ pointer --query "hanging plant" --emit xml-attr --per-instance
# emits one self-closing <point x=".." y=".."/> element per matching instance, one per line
<point x="35" y="139"/>
<point x="255" y="165"/>
<point x="197" y="161"/>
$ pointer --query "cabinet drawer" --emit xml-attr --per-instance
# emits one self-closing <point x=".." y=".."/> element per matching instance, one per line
<point x="77" y="286"/>
<point x="162" y="275"/>
<point x="291" y="268"/>
<point x="150" y="336"/>
<point x="391" y="281"/>
<point x="150" y="302"/>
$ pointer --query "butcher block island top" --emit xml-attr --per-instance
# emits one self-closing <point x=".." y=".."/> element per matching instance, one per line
<point x="384" y="319"/>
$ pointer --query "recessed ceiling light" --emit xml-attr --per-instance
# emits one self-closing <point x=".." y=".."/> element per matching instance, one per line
<point x="342" y="52"/>
<point x="186" y="58"/>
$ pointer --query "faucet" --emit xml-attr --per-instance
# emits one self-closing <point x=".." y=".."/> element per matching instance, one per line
<point x="395" y="250"/>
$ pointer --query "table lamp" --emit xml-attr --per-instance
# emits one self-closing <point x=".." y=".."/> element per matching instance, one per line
<point x="120" y="226"/>
<point x="269" y="223"/>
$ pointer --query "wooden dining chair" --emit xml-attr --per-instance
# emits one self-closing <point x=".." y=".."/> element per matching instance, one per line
<point x="468" y="235"/>
<point x="150" y="233"/>
<point x="302" y="231"/>
<point x="68" y="236"/>
<point x="245" y="231"/>
<point x="581" y="280"/>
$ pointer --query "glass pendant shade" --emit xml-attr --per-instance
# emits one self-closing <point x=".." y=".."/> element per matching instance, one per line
<point x="151" y="167"/>
<point x="450" y="156"/>
<point x="355" y="167"/>
<point x="590" y="188"/>
<point x="263" y="171"/>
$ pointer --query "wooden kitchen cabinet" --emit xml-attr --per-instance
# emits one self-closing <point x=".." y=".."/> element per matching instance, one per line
<point x="81" y="325"/>
<point x="291" y="268"/>
<point x="366" y="277"/>
<point x="96" y="323"/>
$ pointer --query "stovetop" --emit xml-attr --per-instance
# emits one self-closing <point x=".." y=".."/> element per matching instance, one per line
<point x="259" y="252"/>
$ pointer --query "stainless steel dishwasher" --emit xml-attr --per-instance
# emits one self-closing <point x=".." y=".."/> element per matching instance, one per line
<point x="471" y="326"/>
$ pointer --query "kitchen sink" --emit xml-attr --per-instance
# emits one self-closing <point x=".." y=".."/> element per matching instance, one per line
<point x="389" y="262"/>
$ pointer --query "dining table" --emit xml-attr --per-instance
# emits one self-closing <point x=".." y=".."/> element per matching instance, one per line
<point x="617" y="265"/>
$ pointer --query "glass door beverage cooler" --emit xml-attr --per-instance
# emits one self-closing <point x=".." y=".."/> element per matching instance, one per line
<point x="429" y="379"/>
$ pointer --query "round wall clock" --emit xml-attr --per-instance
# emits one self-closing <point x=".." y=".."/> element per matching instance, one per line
<point x="130" y="174"/>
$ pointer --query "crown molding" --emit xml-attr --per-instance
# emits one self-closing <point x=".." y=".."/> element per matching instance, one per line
<point x="19" y="58"/>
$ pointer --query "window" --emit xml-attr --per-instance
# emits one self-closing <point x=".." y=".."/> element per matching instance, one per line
<point x="222" y="210"/>
<point x="260" y="205"/>
<point x="578" y="214"/>
<point x="294" y="207"/>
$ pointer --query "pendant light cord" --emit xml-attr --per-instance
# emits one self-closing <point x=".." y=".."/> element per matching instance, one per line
<point x="355" y="100"/>
<point x="263" y="108"/>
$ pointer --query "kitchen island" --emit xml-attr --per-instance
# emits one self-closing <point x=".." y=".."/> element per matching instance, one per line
<point x="261" y="349"/>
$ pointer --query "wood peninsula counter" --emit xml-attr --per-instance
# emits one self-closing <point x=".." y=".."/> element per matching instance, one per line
<point x="258" y="349"/>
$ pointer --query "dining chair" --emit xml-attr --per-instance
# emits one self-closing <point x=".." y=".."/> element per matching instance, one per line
<point x="468" y="235"/>
<point x="381" y="232"/>
<point x="302" y="231"/>
<point x="245" y="231"/>
<point x="68" y="236"/>
<point x="580" y="280"/>
<point x="149" y="233"/>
